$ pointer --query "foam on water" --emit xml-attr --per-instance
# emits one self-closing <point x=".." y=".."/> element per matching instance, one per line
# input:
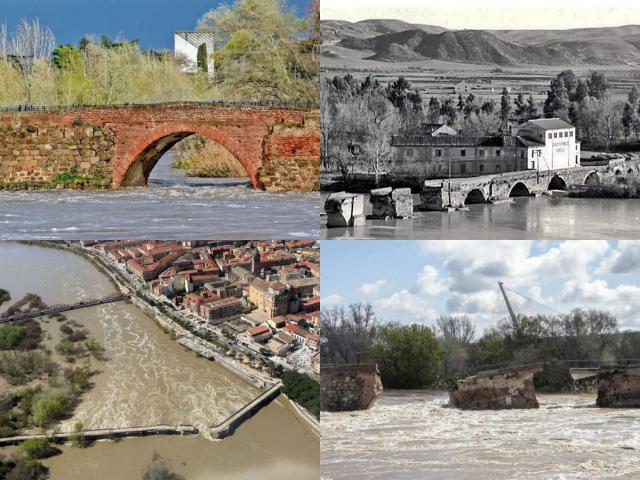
<point x="417" y="435"/>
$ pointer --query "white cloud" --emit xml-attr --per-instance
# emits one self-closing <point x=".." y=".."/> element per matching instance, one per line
<point x="624" y="259"/>
<point x="405" y="307"/>
<point x="372" y="288"/>
<point x="330" y="300"/>
<point x="428" y="282"/>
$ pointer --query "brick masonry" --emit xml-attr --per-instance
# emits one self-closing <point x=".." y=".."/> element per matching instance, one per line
<point x="278" y="148"/>
<point x="349" y="387"/>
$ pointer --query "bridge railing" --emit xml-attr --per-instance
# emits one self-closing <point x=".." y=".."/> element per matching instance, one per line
<point x="204" y="103"/>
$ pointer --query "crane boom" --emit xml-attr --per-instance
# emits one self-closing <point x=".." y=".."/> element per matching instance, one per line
<point x="506" y="300"/>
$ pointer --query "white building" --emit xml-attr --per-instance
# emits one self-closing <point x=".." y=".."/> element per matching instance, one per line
<point x="186" y="46"/>
<point x="551" y="144"/>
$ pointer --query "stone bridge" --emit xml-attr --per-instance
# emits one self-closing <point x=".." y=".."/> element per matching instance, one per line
<point x="118" y="146"/>
<point x="439" y="194"/>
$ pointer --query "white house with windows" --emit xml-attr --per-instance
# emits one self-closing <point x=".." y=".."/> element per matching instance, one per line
<point x="186" y="45"/>
<point x="551" y="144"/>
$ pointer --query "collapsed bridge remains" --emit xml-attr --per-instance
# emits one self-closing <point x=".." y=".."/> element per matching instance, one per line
<point x="349" y="387"/>
<point x="504" y="388"/>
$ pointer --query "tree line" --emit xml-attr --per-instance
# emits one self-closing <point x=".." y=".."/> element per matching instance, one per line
<point x="262" y="52"/>
<point x="421" y="356"/>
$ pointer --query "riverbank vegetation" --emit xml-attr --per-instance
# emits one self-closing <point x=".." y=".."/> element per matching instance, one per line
<point x="5" y="296"/>
<point x="262" y="52"/>
<point x="303" y="390"/>
<point x="418" y="356"/>
<point x="18" y="467"/>
<point x="201" y="157"/>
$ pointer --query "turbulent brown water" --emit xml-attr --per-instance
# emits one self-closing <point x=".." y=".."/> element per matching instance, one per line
<point x="148" y="379"/>
<point x="171" y="206"/>
<point x="525" y="218"/>
<point x="415" y="435"/>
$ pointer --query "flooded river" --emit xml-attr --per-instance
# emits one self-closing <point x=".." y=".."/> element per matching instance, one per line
<point x="525" y="218"/>
<point x="415" y="435"/>
<point x="171" y="206"/>
<point x="149" y="379"/>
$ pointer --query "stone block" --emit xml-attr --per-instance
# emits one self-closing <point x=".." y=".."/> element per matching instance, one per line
<point x="344" y="209"/>
<point x="349" y="387"/>
<point x="619" y="387"/>
<point x="387" y="202"/>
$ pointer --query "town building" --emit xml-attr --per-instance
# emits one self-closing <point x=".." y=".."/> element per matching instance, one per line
<point x="542" y="144"/>
<point x="186" y="45"/>
<point x="271" y="298"/>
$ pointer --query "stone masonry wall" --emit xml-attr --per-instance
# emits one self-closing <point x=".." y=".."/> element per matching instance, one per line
<point x="349" y="387"/>
<point x="33" y="156"/>
<point x="292" y="157"/>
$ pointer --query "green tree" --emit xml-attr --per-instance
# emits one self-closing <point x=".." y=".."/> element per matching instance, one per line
<point x="11" y="335"/>
<point x="203" y="58"/>
<point x="597" y="85"/>
<point x="38" y="448"/>
<point x="408" y="356"/>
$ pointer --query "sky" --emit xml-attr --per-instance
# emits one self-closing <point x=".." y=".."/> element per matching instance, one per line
<point x="489" y="14"/>
<point x="151" y="21"/>
<point x="417" y="281"/>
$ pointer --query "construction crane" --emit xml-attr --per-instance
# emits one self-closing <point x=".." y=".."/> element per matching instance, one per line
<point x="512" y="314"/>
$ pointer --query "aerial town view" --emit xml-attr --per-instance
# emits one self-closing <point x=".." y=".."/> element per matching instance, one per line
<point x="480" y="359"/>
<point x="478" y="127"/>
<point x="175" y="357"/>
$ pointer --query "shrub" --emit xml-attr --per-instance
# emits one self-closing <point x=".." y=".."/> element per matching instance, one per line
<point x="302" y="389"/>
<point x="10" y="336"/>
<point x="38" y="448"/>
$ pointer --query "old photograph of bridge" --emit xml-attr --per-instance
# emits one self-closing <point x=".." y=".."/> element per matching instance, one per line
<point x="494" y="123"/>
<point x="182" y="357"/>
<point x="480" y="359"/>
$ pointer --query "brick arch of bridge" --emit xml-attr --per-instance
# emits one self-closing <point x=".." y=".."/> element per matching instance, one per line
<point x="137" y="157"/>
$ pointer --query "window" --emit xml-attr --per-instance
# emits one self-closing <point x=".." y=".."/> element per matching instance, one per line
<point x="533" y="164"/>
<point x="481" y="168"/>
<point x="571" y="133"/>
<point x="438" y="152"/>
<point x="463" y="168"/>
<point x="463" y="153"/>
<point x="555" y="134"/>
<point x="521" y="153"/>
<point x="409" y="152"/>
<point x="497" y="167"/>
<point x="549" y="136"/>
<point x="498" y="153"/>
<point x="566" y="134"/>
<point x="481" y="153"/>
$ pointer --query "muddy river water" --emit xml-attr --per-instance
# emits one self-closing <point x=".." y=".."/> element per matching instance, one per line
<point x="149" y="379"/>
<point x="415" y="435"/>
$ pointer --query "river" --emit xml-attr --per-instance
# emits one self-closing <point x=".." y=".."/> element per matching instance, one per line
<point x="148" y="379"/>
<point x="540" y="218"/>
<point x="172" y="206"/>
<point x="415" y="435"/>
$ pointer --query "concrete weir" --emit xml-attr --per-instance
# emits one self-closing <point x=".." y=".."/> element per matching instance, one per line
<point x="106" y="433"/>
<point x="619" y="387"/>
<point x="505" y="388"/>
<point x="349" y="387"/>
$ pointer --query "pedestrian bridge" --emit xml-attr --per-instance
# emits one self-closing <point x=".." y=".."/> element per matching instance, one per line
<point x="458" y="192"/>
<point x="60" y="308"/>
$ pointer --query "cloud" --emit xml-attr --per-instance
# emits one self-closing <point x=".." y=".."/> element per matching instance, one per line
<point x="405" y="307"/>
<point x="330" y="300"/>
<point x="372" y="288"/>
<point x="624" y="259"/>
<point x="428" y="282"/>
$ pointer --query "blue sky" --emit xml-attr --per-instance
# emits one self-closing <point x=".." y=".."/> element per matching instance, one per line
<point x="152" y="21"/>
<point x="416" y="281"/>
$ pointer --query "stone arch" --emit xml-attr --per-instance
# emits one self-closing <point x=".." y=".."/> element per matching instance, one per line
<point x="617" y="171"/>
<point x="557" y="183"/>
<point x="630" y="171"/>
<point x="592" y="178"/>
<point x="519" y="190"/>
<point x="141" y="156"/>
<point x="475" y="196"/>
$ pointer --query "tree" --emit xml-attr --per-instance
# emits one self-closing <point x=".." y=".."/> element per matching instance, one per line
<point x="629" y="119"/>
<point x="532" y="108"/>
<point x="634" y="95"/>
<point x="38" y="448"/>
<point x="505" y="106"/>
<point x="597" y="85"/>
<point x="31" y="43"/>
<point x="382" y="120"/>
<point x="203" y="58"/>
<point x="435" y="107"/>
<point x="158" y="469"/>
<point x="408" y="356"/>
<point x="449" y="112"/>
<point x="557" y="99"/>
<point x="347" y="334"/>
<point x="521" y="107"/>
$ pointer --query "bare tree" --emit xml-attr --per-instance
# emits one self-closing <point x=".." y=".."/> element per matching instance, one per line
<point x="4" y="41"/>
<point x="347" y="334"/>
<point x="31" y="42"/>
<point x="458" y="328"/>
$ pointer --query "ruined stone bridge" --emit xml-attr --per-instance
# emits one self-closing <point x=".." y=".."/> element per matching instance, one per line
<point x="117" y="146"/>
<point x="440" y="194"/>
